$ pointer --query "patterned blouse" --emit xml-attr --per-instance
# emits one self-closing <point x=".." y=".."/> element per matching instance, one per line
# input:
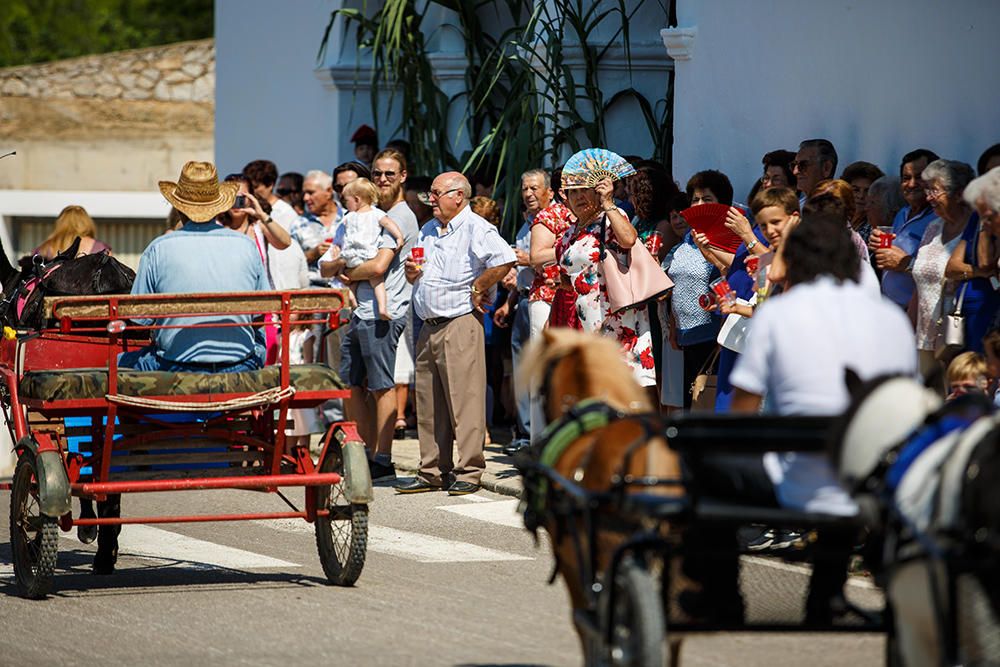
<point x="557" y="218"/>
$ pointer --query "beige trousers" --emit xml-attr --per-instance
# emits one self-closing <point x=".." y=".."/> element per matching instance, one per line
<point x="451" y="400"/>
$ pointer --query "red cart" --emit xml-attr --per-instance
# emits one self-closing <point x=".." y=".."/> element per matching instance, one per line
<point x="158" y="431"/>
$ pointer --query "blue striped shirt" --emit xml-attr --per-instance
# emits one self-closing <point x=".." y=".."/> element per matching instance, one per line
<point x="454" y="256"/>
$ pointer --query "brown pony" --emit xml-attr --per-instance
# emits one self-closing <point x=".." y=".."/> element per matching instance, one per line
<point x="568" y="366"/>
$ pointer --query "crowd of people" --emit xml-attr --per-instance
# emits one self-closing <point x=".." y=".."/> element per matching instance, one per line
<point x="443" y="305"/>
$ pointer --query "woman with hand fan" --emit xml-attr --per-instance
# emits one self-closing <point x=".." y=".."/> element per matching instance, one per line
<point x="693" y="269"/>
<point x="588" y="183"/>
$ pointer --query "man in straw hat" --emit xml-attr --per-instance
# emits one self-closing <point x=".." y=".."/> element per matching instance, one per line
<point x="202" y="256"/>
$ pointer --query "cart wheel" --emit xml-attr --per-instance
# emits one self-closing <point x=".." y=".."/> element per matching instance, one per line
<point x="635" y="618"/>
<point x="34" y="537"/>
<point x="342" y="535"/>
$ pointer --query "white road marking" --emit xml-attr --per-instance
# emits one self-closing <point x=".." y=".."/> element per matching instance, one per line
<point x="163" y="545"/>
<point x="475" y="498"/>
<point x="413" y="546"/>
<point x="860" y="582"/>
<point x="502" y="512"/>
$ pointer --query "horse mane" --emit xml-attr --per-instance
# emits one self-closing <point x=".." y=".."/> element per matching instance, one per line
<point x="600" y="370"/>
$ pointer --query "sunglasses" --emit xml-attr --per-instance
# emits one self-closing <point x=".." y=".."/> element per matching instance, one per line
<point x="389" y="175"/>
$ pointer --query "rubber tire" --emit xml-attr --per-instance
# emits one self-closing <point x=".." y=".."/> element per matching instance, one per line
<point x="636" y="622"/>
<point x="341" y="569"/>
<point x="33" y="571"/>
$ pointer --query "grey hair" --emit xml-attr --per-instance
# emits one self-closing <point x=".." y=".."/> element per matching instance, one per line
<point x="952" y="174"/>
<point x="886" y="195"/>
<point x="323" y="179"/>
<point x="531" y="173"/>
<point x="987" y="188"/>
<point x="462" y="183"/>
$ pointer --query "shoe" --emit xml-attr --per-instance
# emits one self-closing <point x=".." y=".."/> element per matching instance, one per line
<point x="416" y="485"/>
<point x="515" y="446"/>
<point x="400" y="432"/>
<point x="762" y="541"/>
<point x="381" y="472"/>
<point x="786" y="539"/>
<point x="462" y="488"/>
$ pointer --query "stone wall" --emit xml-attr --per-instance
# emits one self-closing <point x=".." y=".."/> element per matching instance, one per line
<point x="182" y="72"/>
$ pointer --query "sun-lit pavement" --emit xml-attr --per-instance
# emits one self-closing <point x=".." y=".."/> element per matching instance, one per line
<point x="448" y="581"/>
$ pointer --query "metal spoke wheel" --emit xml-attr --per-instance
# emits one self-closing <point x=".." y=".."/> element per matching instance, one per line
<point x="34" y="537"/>
<point x="342" y="535"/>
<point x="633" y="617"/>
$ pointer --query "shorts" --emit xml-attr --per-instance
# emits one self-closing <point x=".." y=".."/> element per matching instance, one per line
<point x="368" y="353"/>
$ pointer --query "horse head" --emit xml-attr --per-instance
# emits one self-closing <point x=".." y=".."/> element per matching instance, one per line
<point x="569" y="366"/>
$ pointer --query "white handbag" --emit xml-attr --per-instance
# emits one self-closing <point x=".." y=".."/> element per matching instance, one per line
<point x="951" y="336"/>
<point x="733" y="333"/>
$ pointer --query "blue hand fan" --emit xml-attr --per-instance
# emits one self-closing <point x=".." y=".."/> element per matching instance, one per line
<point x="590" y="165"/>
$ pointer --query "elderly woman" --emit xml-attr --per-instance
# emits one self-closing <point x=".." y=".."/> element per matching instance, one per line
<point x="972" y="264"/>
<point x="944" y="182"/>
<point x="578" y="251"/>
<point x="73" y="222"/>
<point x="693" y="267"/>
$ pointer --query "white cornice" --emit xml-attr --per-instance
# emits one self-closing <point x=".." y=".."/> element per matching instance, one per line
<point x="679" y="42"/>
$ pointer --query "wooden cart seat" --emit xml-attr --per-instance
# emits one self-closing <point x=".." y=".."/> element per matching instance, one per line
<point x="84" y="383"/>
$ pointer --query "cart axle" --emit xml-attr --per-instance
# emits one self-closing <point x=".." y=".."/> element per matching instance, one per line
<point x="194" y="483"/>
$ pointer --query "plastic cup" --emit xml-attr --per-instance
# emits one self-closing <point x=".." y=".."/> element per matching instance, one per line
<point x="706" y="301"/>
<point x="417" y="255"/>
<point x="551" y="271"/>
<point x="886" y="237"/>
<point x="751" y="264"/>
<point x="722" y="291"/>
<point x="654" y="242"/>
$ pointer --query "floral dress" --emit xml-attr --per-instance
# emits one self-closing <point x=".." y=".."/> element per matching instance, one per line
<point x="557" y="218"/>
<point x="579" y="260"/>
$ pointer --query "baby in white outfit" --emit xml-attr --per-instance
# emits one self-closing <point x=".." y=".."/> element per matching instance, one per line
<point x="362" y="227"/>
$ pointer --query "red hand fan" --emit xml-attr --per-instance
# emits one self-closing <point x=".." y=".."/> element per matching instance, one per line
<point x="710" y="220"/>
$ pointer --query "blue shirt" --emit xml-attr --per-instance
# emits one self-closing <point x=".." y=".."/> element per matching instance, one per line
<point x="202" y="257"/>
<point x="691" y="274"/>
<point x="454" y="256"/>
<point x="898" y="285"/>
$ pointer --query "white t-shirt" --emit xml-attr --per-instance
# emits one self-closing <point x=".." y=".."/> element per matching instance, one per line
<point x="286" y="266"/>
<point x="797" y="350"/>
<point x="361" y="232"/>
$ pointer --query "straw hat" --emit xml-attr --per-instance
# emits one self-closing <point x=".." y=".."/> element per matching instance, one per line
<point x="198" y="193"/>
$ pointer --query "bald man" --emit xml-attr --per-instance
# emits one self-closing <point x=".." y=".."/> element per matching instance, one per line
<point x="464" y="257"/>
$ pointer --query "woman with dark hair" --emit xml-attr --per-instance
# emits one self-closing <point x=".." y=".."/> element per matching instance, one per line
<point x="693" y="267"/>
<point x="651" y="190"/>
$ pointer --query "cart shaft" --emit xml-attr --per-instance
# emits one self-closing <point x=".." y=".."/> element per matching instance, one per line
<point x="194" y="483"/>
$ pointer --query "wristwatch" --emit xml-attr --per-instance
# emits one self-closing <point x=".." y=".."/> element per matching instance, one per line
<point x="752" y="244"/>
<point x="476" y="290"/>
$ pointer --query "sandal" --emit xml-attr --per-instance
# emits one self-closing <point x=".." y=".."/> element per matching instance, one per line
<point x="400" y="432"/>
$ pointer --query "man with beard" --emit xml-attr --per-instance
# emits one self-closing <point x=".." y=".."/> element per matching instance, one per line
<point x="389" y="176"/>
<point x="908" y="230"/>
<point x="368" y="349"/>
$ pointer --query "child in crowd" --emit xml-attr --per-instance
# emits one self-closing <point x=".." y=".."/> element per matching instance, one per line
<point x="991" y="346"/>
<point x="362" y="227"/>
<point x="967" y="374"/>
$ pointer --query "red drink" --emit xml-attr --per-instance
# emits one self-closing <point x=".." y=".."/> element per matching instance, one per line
<point x="551" y="271"/>
<point x="417" y="255"/>
<point x="654" y="242"/>
<point x="751" y="264"/>
<point x="885" y="239"/>
<point x="706" y="301"/>
<point x="722" y="291"/>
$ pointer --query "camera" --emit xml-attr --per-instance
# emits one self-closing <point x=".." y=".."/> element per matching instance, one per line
<point x="241" y="201"/>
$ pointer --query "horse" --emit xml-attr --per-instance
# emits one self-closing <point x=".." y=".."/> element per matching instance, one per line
<point x="925" y="474"/>
<point x="578" y="373"/>
<point x="24" y="292"/>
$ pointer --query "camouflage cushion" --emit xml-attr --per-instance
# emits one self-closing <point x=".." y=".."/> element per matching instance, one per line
<point x="93" y="382"/>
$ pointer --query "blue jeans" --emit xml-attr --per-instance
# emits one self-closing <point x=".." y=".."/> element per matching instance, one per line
<point x="520" y="334"/>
